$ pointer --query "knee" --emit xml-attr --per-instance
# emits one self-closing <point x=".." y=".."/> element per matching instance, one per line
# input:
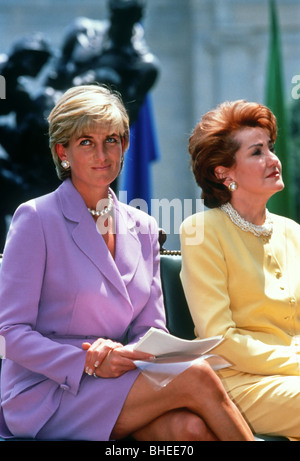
<point x="190" y="427"/>
<point x="205" y="371"/>
<point x="206" y="377"/>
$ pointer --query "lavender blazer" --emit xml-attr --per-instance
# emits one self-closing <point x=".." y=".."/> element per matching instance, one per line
<point x="59" y="286"/>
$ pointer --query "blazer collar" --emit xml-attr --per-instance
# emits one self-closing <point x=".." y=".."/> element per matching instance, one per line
<point x="84" y="233"/>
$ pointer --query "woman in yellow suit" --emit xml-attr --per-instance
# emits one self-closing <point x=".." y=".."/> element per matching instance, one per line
<point x="242" y="280"/>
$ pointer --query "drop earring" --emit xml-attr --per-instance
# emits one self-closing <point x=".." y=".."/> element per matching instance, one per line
<point x="233" y="186"/>
<point x="65" y="164"/>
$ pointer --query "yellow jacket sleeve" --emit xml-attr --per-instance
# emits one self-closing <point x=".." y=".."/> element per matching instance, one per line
<point x="233" y="289"/>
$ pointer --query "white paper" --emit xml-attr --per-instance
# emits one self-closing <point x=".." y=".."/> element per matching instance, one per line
<point x="174" y="355"/>
<point x="158" y="343"/>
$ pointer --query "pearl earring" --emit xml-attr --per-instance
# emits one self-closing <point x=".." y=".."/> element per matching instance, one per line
<point x="65" y="164"/>
<point x="233" y="186"/>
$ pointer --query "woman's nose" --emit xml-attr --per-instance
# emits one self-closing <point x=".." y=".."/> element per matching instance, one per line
<point x="273" y="159"/>
<point x="100" y="151"/>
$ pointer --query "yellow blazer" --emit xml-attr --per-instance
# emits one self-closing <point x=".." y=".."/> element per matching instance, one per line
<point x="246" y="288"/>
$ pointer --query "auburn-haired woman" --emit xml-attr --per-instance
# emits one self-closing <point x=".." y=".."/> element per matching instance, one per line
<point x="242" y="281"/>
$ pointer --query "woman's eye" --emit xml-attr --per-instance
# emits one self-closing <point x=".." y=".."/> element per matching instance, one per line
<point x="85" y="142"/>
<point x="257" y="152"/>
<point x="272" y="149"/>
<point x="111" y="139"/>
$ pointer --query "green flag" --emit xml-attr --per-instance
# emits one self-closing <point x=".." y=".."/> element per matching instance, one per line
<point x="283" y="202"/>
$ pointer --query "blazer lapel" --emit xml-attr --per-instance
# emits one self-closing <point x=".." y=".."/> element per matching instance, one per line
<point x="128" y="245"/>
<point x="89" y="240"/>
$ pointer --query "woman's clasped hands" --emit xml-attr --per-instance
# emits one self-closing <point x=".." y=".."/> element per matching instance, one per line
<point x="109" y="359"/>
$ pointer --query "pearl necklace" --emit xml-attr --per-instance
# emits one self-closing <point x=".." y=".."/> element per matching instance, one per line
<point x="260" y="231"/>
<point x="106" y="210"/>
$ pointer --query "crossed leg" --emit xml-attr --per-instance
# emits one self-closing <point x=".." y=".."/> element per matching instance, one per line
<point x="194" y="406"/>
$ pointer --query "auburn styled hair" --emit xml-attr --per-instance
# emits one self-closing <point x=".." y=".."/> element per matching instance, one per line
<point x="212" y="143"/>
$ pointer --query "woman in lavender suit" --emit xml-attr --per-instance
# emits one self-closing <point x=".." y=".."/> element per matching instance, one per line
<point x="80" y="285"/>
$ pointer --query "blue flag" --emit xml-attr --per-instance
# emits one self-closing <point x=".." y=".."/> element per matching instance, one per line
<point x="136" y="178"/>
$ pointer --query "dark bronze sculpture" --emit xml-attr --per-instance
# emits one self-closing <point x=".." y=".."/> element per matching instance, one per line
<point x="113" y="52"/>
<point x="25" y="161"/>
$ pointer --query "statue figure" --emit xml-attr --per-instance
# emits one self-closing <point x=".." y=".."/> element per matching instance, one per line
<point x="24" y="163"/>
<point x="112" y="52"/>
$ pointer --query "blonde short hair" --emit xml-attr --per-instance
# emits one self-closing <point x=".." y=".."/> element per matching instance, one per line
<point x="79" y="110"/>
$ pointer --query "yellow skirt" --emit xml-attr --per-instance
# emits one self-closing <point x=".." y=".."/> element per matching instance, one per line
<point x="270" y="404"/>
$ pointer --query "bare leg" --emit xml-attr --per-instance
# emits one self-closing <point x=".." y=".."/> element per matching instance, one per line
<point x="176" y="425"/>
<point x="197" y="390"/>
